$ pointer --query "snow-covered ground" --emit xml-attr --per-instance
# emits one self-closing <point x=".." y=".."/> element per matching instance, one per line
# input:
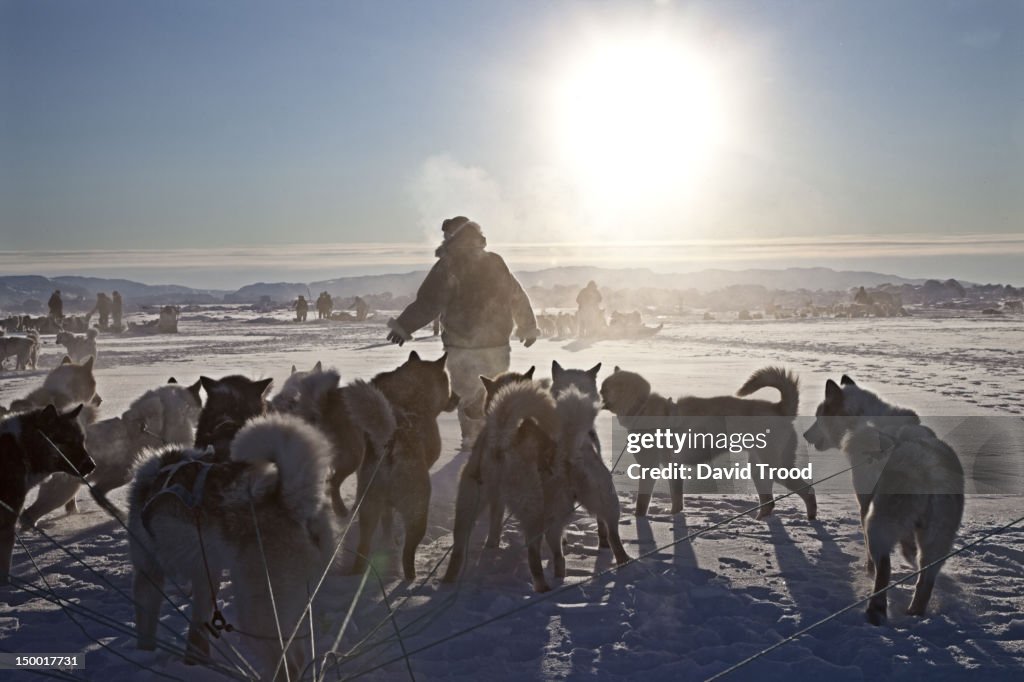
<point x="687" y="612"/>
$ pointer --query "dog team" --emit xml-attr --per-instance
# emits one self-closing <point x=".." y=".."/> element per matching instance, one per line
<point x="225" y="483"/>
<point x="25" y="349"/>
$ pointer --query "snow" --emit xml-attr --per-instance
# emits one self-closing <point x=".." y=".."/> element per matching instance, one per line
<point x="687" y="612"/>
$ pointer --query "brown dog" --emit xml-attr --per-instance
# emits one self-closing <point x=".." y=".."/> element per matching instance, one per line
<point x="395" y="469"/>
<point x="628" y="395"/>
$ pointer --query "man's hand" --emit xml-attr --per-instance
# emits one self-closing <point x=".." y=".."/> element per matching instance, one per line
<point x="397" y="335"/>
<point x="529" y="341"/>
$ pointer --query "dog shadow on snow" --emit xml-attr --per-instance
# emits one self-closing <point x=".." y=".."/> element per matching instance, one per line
<point x="813" y="584"/>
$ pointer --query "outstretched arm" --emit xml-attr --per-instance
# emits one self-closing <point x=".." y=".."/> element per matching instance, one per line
<point x="430" y="302"/>
<point x="522" y="313"/>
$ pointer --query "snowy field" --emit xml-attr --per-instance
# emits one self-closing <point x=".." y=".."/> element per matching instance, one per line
<point x="686" y="612"/>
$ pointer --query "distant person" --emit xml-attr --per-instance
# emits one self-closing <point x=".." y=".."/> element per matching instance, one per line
<point x="117" y="309"/>
<point x="103" y="308"/>
<point x="477" y="300"/>
<point x="361" y="307"/>
<point x="324" y="305"/>
<point x="56" y="305"/>
<point x="589" y="314"/>
<point x="301" y="309"/>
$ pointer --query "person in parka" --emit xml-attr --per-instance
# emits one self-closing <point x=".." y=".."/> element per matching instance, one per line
<point x="56" y="306"/>
<point x="478" y="301"/>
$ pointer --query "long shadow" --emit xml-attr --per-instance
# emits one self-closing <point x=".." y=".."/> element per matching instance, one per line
<point x="812" y="586"/>
<point x="579" y="344"/>
<point x="684" y="558"/>
<point x="644" y="535"/>
<point x="601" y="608"/>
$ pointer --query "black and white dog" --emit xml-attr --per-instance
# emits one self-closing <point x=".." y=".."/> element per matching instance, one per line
<point x="34" y="445"/>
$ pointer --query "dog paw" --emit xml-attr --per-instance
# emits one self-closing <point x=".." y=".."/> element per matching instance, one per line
<point x="764" y="513"/>
<point x="875" y="616"/>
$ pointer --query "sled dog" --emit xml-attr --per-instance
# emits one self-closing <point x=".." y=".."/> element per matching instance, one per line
<point x="915" y="497"/>
<point x="629" y="396"/>
<point x="585" y="381"/>
<point x="396" y="411"/>
<point x="258" y="510"/>
<point x="512" y="464"/>
<point x="24" y="348"/>
<point x="79" y="347"/>
<point x="163" y="416"/>
<point x="66" y="385"/>
<point x="34" y="445"/>
<point x="537" y="457"/>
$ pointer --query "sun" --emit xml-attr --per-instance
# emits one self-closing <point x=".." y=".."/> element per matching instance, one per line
<point x="636" y="119"/>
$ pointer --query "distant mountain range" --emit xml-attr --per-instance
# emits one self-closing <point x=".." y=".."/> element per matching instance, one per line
<point x="28" y="292"/>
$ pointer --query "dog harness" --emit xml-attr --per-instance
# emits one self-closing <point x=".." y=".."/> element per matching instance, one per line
<point x="190" y="498"/>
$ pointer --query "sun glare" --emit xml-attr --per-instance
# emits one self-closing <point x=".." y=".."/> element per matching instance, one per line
<point x="636" y="120"/>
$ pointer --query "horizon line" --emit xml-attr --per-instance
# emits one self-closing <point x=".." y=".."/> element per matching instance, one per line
<point x="900" y="252"/>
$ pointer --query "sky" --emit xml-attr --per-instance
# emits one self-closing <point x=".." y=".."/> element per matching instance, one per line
<point x="187" y="140"/>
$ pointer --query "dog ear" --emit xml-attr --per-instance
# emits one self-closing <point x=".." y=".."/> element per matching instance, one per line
<point x="594" y="370"/>
<point x="556" y="369"/>
<point x="88" y="363"/>
<point x="847" y="381"/>
<point x="73" y="414"/>
<point x="833" y="393"/>
<point x="293" y="369"/>
<point x="616" y="370"/>
<point x="440" y="362"/>
<point x="172" y="380"/>
<point x="318" y="367"/>
<point x="488" y="384"/>
<point x="262" y="385"/>
<point x="66" y="360"/>
<point x="49" y="413"/>
<point x="208" y="384"/>
<point x="194" y="390"/>
<point x="413" y="355"/>
<point x="529" y="372"/>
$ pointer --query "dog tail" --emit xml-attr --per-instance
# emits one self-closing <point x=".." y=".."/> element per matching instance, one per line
<point x="312" y="390"/>
<point x="514" y="404"/>
<point x="775" y="377"/>
<point x="300" y="452"/>
<point x="371" y="411"/>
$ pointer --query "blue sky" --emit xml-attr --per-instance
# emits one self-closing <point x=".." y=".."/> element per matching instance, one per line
<point x="153" y="125"/>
